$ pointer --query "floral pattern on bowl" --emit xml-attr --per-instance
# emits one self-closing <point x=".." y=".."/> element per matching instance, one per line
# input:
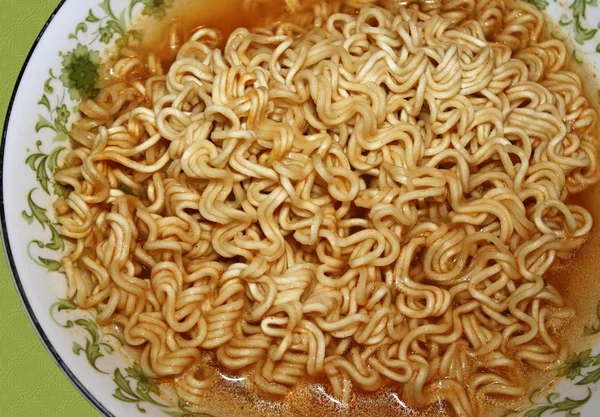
<point x="70" y="52"/>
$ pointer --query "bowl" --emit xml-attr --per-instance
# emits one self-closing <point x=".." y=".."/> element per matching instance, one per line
<point x="63" y="66"/>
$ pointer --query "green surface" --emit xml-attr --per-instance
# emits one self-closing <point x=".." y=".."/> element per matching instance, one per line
<point x="31" y="385"/>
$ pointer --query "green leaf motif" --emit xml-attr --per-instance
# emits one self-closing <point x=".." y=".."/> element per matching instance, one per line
<point x="141" y="393"/>
<point x="134" y="34"/>
<point x="579" y="7"/>
<point x="115" y="26"/>
<point x="77" y="348"/>
<point x="92" y="352"/>
<point x="38" y="213"/>
<point x="589" y="331"/>
<point x="45" y="102"/>
<point x="540" y="4"/>
<point x="145" y="383"/>
<point x="569" y="406"/>
<point x="91" y="328"/>
<point x="33" y="159"/>
<point x="124" y="392"/>
<point x="94" y="345"/>
<point x="564" y="20"/>
<point x="105" y="5"/>
<point x="575" y="363"/>
<point x="122" y="384"/>
<point x="47" y="87"/>
<point x="131" y="5"/>
<point x="575" y="57"/>
<point x="156" y="8"/>
<point x="61" y="137"/>
<point x="91" y="18"/>
<point x="44" y="165"/>
<point x="53" y="158"/>
<point x="119" y="395"/>
<point x="537" y="412"/>
<point x="578" y="23"/>
<point x="50" y="264"/>
<point x="61" y="190"/>
<point x="185" y="411"/>
<point x="582" y="34"/>
<point x="56" y="241"/>
<point x="591" y="377"/>
<point x="60" y="305"/>
<point x="44" y="123"/>
<point x="65" y="304"/>
<point x="42" y="174"/>
<point x="130" y="35"/>
<point x="81" y="27"/>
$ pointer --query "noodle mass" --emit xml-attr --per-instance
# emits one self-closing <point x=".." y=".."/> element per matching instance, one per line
<point x="371" y="194"/>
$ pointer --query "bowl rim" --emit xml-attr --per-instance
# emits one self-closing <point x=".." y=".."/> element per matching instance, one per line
<point x="79" y="386"/>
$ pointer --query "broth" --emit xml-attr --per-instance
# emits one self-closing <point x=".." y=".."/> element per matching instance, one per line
<point x="186" y="16"/>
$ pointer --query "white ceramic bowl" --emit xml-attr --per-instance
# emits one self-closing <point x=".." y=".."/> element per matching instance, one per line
<point x="63" y="65"/>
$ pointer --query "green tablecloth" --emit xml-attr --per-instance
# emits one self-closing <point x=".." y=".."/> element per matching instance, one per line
<point x="31" y="385"/>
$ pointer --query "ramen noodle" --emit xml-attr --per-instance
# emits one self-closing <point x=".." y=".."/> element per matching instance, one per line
<point x="369" y="193"/>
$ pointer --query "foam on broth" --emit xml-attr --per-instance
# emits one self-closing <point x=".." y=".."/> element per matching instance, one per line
<point x="575" y="278"/>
